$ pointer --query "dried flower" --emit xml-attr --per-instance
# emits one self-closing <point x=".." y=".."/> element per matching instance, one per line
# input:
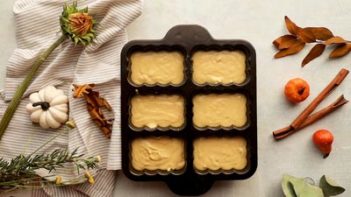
<point x="89" y="177"/>
<point x="71" y="124"/>
<point x="58" y="180"/>
<point x="77" y="24"/>
<point x="80" y="91"/>
<point x="80" y="23"/>
<point x="98" y="158"/>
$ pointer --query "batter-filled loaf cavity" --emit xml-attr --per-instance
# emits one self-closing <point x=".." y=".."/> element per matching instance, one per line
<point x="161" y="67"/>
<point x="157" y="111"/>
<point x="219" y="110"/>
<point x="219" y="67"/>
<point x="158" y="153"/>
<point x="220" y="153"/>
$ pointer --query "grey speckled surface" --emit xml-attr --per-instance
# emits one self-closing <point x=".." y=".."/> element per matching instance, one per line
<point x="258" y="22"/>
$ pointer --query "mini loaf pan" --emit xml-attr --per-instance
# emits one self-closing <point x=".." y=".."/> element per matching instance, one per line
<point x="188" y="39"/>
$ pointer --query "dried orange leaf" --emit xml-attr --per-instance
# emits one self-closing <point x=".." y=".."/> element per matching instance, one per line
<point x="340" y="51"/>
<point x="80" y="90"/>
<point x="320" y="33"/>
<point x="284" y="42"/>
<point x="335" y="40"/>
<point x="291" y="26"/>
<point x="306" y="35"/>
<point x="295" y="48"/>
<point x="316" y="51"/>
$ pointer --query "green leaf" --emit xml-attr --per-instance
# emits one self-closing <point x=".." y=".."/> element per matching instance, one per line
<point x="84" y="10"/>
<point x="330" y="187"/>
<point x="76" y="40"/>
<point x="299" y="187"/>
<point x="87" y="38"/>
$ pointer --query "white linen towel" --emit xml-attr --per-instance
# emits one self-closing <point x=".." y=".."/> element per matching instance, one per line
<point x="38" y="27"/>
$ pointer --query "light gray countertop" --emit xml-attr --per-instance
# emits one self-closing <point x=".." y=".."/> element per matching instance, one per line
<point x="259" y="22"/>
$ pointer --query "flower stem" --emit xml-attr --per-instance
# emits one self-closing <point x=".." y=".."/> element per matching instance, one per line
<point x="10" y="111"/>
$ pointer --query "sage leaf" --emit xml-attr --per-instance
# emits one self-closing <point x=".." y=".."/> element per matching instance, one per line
<point x="300" y="188"/>
<point x="310" y="191"/>
<point x="288" y="188"/>
<point x="330" y="187"/>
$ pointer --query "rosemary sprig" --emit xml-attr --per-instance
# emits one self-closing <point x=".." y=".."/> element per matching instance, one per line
<point x="21" y="169"/>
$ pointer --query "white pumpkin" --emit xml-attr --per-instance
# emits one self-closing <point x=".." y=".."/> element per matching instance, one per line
<point x="48" y="107"/>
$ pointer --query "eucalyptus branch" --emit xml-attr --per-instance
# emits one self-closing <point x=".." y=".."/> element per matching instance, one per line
<point x="299" y="37"/>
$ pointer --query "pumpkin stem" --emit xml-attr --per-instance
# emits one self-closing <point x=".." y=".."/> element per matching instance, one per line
<point x="44" y="105"/>
<point x="300" y="92"/>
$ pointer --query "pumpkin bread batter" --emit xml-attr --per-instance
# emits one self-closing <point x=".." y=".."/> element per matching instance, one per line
<point x="157" y="68"/>
<point x="219" y="110"/>
<point x="158" y="153"/>
<point x="154" y="111"/>
<point x="219" y="67"/>
<point x="220" y="153"/>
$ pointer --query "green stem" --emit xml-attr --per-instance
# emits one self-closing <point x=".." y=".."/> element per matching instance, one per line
<point x="50" y="140"/>
<point x="15" y="182"/>
<point x="10" y="111"/>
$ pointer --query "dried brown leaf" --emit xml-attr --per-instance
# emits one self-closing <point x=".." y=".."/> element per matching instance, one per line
<point x="95" y="115"/>
<point x="295" y="48"/>
<point x="335" y="40"/>
<point x="103" y="103"/>
<point x="320" y="33"/>
<point x="322" y="36"/>
<point x="291" y="26"/>
<point x="306" y="35"/>
<point x="107" y="131"/>
<point x="340" y="51"/>
<point x="94" y="104"/>
<point x="315" y="52"/>
<point x="284" y="42"/>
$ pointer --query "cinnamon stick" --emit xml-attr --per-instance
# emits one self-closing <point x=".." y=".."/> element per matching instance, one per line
<point x="325" y="92"/>
<point x="325" y="111"/>
<point x="286" y="131"/>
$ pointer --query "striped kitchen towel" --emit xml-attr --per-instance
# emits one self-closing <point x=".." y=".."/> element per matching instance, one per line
<point x="37" y="27"/>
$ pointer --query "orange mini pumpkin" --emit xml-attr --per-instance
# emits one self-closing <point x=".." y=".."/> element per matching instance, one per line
<point x="297" y="90"/>
<point x="323" y="140"/>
